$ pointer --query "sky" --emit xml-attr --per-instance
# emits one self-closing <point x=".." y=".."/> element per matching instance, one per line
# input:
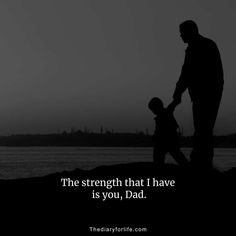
<point x="92" y="63"/>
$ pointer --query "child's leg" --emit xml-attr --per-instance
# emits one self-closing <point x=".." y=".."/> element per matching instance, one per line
<point x="159" y="155"/>
<point x="178" y="156"/>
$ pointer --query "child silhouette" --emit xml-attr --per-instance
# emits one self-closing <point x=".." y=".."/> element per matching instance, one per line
<point x="165" y="136"/>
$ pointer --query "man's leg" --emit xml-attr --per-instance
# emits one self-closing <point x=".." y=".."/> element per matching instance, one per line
<point x="202" y="152"/>
<point x="204" y="117"/>
<point x="178" y="156"/>
<point x="159" y="154"/>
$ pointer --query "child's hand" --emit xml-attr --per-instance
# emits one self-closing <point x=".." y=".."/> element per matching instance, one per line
<point x="174" y="103"/>
<point x="177" y="100"/>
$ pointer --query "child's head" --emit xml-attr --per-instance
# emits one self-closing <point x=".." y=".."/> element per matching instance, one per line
<point x="155" y="105"/>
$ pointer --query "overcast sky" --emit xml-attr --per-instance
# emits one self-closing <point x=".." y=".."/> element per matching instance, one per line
<point x="78" y="63"/>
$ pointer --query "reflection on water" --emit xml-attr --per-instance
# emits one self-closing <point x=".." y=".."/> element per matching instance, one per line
<point x="22" y="162"/>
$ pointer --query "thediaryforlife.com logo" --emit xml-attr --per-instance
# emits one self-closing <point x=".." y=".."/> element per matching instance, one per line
<point x="117" y="229"/>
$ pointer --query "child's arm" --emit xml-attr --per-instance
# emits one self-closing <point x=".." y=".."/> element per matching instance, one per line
<point x="171" y="107"/>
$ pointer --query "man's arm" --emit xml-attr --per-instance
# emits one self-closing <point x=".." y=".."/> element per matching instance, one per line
<point x="182" y="83"/>
<point x="181" y="86"/>
<point x="171" y="107"/>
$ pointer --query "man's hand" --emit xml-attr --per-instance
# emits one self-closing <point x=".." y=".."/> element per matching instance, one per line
<point x="174" y="104"/>
<point x="177" y="98"/>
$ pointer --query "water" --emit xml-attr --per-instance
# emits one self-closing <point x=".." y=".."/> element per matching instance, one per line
<point x="24" y="162"/>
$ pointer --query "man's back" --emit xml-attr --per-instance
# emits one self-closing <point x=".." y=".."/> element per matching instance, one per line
<point x="203" y="68"/>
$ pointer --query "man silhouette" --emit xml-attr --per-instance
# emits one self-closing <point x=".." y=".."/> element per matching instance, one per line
<point x="202" y="75"/>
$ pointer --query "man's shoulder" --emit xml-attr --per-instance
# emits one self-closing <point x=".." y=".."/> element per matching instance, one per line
<point x="207" y="42"/>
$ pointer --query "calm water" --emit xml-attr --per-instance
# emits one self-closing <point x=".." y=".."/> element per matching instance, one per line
<point x="22" y="162"/>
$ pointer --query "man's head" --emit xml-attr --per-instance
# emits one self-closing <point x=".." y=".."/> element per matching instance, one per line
<point x="188" y="31"/>
<point x="156" y="105"/>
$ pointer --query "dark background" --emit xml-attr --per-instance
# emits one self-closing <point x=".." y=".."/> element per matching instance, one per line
<point x="86" y="64"/>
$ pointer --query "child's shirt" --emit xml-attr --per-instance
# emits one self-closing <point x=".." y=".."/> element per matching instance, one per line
<point x="166" y="125"/>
